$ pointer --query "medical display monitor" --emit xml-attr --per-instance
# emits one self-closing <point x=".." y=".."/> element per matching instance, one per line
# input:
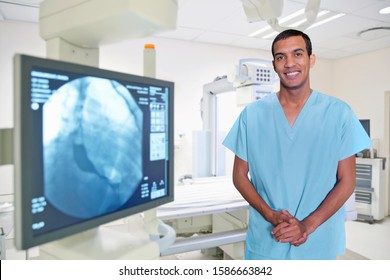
<point x="91" y="146"/>
<point x="366" y="125"/>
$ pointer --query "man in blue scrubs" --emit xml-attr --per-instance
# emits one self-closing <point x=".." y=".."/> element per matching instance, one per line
<point x="295" y="161"/>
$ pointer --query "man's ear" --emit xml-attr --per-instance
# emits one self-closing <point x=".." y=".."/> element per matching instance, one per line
<point x="312" y="60"/>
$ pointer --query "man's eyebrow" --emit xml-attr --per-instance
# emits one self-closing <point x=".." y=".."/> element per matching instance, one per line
<point x="295" y="50"/>
<point x="299" y="49"/>
<point x="279" y="53"/>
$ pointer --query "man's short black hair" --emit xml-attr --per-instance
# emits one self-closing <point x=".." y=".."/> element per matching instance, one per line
<point x="290" y="33"/>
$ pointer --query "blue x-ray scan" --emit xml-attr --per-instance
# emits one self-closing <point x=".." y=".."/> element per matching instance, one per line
<point x="92" y="147"/>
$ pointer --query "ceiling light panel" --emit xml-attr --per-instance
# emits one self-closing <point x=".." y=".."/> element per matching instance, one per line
<point x="385" y="11"/>
<point x="372" y="11"/>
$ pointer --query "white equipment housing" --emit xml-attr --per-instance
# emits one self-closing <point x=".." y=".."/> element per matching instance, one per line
<point x="91" y="23"/>
<point x="254" y="78"/>
<point x="271" y="10"/>
<point x="75" y="29"/>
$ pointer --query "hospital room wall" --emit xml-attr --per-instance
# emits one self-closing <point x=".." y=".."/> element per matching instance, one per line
<point x="363" y="82"/>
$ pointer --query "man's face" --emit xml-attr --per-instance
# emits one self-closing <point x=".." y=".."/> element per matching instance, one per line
<point x="292" y="62"/>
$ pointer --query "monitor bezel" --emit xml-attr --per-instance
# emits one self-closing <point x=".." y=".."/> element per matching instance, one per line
<point x="24" y="154"/>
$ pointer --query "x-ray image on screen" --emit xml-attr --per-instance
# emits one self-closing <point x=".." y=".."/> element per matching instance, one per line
<point x="91" y="146"/>
<point x="92" y="149"/>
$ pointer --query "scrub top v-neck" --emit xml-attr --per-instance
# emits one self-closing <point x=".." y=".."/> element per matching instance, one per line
<point x="291" y="129"/>
<point x="294" y="168"/>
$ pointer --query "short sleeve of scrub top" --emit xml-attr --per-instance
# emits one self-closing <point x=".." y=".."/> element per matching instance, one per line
<point x="295" y="167"/>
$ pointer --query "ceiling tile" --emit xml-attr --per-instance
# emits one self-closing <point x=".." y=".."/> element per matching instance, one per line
<point x="372" y="11"/>
<point x="346" y="6"/>
<point x="237" y="23"/>
<point x="343" y="26"/>
<point x="338" y="42"/>
<point x="19" y="12"/>
<point x="370" y="46"/>
<point x="217" y="38"/>
<point x="182" y="33"/>
<point x="204" y="14"/>
<point x="253" y="43"/>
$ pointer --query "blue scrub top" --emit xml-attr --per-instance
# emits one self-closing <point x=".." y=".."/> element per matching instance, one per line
<point x="294" y="168"/>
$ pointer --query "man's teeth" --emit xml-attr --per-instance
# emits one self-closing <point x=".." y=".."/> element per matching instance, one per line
<point x="292" y="73"/>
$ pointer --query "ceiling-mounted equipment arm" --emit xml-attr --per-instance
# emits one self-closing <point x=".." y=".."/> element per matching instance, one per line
<point x="270" y="10"/>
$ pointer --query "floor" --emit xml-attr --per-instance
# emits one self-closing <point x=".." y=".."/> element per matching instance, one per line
<point x="364" y="241"/>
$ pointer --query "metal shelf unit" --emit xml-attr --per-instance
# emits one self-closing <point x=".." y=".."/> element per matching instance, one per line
<point x="370" y="189"/>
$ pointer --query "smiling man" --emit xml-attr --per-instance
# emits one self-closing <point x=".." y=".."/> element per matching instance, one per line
<point x="295" y="161"/>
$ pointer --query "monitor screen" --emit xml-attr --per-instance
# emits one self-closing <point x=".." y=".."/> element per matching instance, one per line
<point x="366" y="125"/>
<point x="91" y="146"/>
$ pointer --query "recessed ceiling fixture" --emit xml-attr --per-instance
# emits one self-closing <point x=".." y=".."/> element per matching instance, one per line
<point x="374" y="32"/>
<point x="385" y="11"/>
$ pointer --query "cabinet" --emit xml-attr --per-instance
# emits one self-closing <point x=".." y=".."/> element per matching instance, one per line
<point x="370" y="195"/>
